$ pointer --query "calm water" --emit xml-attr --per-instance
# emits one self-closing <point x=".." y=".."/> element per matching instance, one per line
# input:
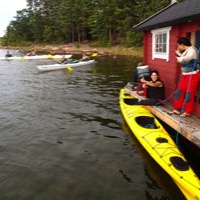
<point x="62" y="136"/>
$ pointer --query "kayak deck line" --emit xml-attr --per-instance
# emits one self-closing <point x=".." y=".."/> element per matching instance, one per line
<point x="188" y="127"/>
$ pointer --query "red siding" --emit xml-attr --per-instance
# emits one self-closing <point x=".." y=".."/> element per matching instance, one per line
<point x="170" y="71"/>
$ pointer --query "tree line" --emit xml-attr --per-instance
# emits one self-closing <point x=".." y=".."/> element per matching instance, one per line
<point x="105" y="22"/>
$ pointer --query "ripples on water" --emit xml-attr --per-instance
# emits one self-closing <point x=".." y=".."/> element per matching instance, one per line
<point x="62" y="136"/>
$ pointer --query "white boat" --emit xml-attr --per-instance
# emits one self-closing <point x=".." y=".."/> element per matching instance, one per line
<point x="35" y="57"/>
<point x="63" y="66"/>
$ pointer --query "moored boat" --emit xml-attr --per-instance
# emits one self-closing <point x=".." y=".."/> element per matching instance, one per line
<point x="159" y="145"/>
<point x="35" y="57"/>
<point x="63" y="66"/>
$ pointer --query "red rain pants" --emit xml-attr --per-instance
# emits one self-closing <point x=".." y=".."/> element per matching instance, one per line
<point x="184" y="95"/>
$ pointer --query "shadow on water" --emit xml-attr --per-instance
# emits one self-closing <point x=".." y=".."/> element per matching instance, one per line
<point x="62" y="135"/>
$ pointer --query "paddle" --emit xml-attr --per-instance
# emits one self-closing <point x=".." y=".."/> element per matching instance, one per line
<point x="94" y="55"/>
<point x="145" y="102"/>
<point x="67" y="67"/>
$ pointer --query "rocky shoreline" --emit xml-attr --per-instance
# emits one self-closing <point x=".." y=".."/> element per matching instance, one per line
<point x="80" y="49"/>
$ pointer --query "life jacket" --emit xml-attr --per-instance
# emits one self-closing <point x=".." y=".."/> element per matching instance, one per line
<point x="190" y="66"/>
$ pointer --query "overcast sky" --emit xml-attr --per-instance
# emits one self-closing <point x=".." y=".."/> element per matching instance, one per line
<point x="8" y="9"/>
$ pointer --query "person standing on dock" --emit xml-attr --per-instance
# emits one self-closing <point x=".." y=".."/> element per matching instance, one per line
<point x="184" y="95"/>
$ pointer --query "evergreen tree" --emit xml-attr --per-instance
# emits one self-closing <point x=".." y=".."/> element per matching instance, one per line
<point x="64" y="21"/>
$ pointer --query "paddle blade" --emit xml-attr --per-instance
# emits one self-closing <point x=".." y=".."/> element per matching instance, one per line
<point x="50" y="56"/>
<point x="69" y="68"/>
<point x="94" y="54"/>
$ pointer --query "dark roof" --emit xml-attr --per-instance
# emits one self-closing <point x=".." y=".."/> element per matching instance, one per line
<point x="175" y="13"/>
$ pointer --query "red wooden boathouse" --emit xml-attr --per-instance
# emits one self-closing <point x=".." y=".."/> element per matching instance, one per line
<point x="161" y="32"/>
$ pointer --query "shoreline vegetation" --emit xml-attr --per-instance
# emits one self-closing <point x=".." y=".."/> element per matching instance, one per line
<point x="82" y="48"/>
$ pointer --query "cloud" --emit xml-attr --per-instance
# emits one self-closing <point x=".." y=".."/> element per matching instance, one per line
<point x="8" y="9"/>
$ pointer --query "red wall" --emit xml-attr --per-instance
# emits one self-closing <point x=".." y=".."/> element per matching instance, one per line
<point x="170" y="71"/>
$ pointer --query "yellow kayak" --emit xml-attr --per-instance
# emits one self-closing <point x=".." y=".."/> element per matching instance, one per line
<point x="160" y="146"/>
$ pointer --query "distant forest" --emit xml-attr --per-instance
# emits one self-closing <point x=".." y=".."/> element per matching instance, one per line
<point x="102" y="22"/>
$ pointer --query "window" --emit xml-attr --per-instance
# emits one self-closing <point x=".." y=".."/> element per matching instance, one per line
<point x="160" y="43"/>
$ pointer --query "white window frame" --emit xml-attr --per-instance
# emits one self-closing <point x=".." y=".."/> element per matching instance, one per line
<point x="156" y="33"/>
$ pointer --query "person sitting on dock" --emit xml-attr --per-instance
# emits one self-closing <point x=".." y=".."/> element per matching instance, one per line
<point x="155" y="89"/>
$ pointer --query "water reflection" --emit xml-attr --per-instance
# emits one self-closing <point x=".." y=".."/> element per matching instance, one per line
<point x="62" y="135"/>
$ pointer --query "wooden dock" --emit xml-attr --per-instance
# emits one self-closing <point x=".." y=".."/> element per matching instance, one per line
<point x="189" y="127"/>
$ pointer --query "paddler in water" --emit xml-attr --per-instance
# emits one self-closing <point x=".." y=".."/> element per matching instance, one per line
<point x="31" y="53"/>
<point x="8" y="54"/>
<point x="64" y="60"/>
<point x="85" y="57"/>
